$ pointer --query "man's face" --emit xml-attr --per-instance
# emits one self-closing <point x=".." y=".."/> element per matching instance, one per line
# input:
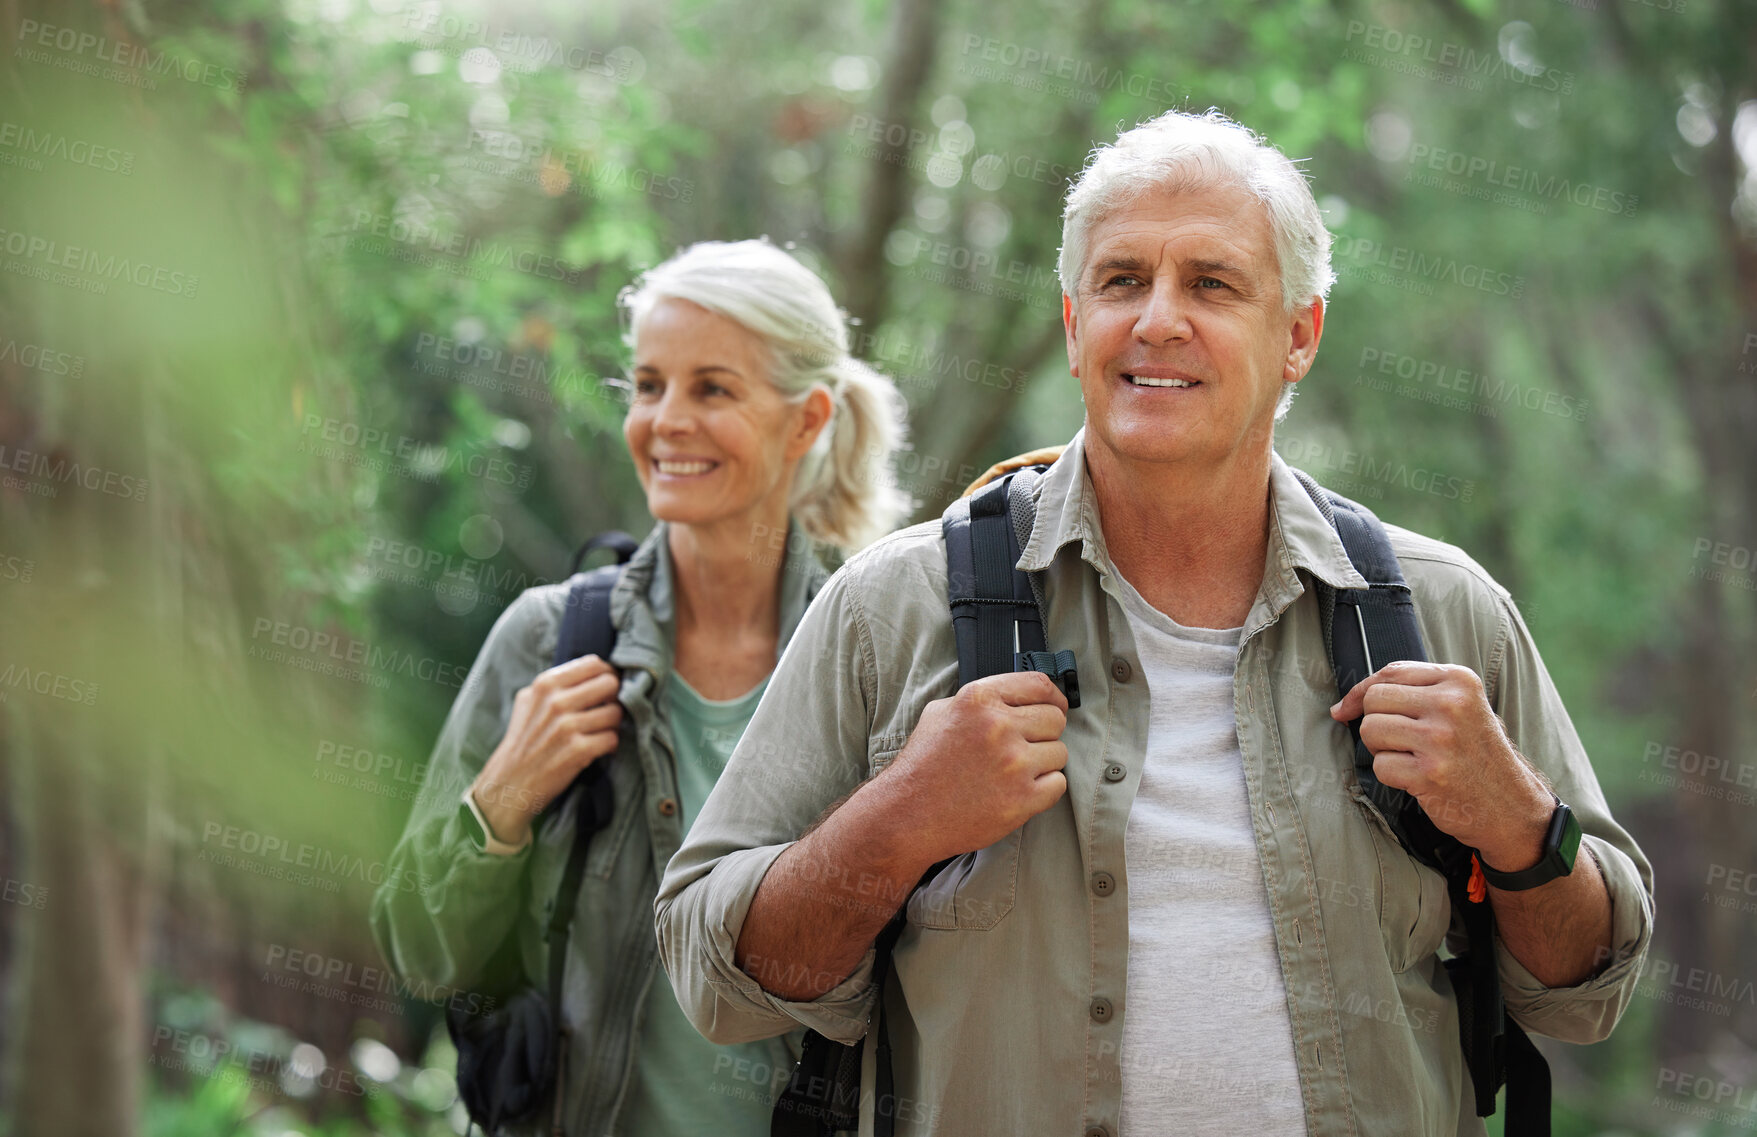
<point x="1179" y="338"/>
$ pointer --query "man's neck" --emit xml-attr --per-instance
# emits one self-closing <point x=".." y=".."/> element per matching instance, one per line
<point x="1192" y="540"/>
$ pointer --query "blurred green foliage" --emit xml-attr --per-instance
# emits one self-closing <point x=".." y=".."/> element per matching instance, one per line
<point x="383" y="413"/>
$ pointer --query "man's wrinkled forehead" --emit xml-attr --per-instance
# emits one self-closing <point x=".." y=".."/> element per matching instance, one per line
<point x="1210" y="228"/>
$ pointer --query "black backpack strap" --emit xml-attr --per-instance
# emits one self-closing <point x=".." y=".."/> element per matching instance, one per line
<point x="996" y="617"/>
<point x="586" y="629"/>
<point x="823" y="1095"/>
<point x="1364" y="629"/>
<point x="614" y="539"/>
<point x="998" y="624"/>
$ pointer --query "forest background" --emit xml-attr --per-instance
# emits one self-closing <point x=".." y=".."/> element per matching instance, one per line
<point x="308" y="341"/>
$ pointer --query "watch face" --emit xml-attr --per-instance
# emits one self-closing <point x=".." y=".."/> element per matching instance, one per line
<point x="467" y="817"/>
<point x="1570" y="844"/>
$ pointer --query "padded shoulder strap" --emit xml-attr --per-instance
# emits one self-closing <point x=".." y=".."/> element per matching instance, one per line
<point x="585" y="621"/>
<point x="615" y="540"/>
<point x="1366" y="628"/>
<point x="994" y="609"/>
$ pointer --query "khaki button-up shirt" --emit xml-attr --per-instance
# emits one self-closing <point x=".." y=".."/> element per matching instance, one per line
<point x="1007" y="1007"/>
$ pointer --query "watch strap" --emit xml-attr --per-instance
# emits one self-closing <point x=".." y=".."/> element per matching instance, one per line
<point x="481" y="834"/>
<point x="1561" y="845"/>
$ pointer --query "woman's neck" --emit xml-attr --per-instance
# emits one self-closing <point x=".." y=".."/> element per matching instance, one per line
<point x="726" y="578"/>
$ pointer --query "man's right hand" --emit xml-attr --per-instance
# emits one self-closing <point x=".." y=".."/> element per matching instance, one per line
<point x="980" y="764"/>
<point x="563" y="722"/>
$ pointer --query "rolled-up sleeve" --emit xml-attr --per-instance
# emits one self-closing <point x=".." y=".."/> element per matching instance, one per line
<point x="806" y="746"/>
<point x="1528" y="703"/>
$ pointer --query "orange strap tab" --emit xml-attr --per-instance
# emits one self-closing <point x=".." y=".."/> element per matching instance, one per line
<point x="1478" y="888"/>
<point x="999" y="469"/>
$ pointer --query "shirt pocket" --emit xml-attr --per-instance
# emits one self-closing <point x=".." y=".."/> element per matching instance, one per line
<point x="972" y="893"/>
<point x="1414" y="908"/>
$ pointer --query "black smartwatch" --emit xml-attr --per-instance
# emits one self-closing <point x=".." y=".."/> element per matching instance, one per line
<point x="1560" y="846"/>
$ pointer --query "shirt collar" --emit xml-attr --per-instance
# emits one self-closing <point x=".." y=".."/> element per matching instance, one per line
<point x="642" y="604"/>
<point x="1299" y="536"/>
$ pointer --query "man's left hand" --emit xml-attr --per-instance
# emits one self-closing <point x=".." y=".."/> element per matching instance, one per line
<point x="1433" y="734"/>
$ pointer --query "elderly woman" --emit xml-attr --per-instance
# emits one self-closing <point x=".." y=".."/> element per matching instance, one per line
<point x="747" y="418"/>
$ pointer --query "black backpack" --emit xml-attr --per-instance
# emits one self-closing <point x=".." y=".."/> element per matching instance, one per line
<point x="510" y="1058"/>
<point x="997" y="617"/>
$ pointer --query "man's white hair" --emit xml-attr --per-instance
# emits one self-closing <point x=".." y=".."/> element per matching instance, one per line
<point x="1179" y="152"/>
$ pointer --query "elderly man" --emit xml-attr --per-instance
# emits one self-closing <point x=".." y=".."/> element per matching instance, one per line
<point x="1173" y="909"/>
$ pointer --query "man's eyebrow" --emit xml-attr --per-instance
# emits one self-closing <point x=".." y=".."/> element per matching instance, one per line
<point x="1218" y="268"/>
<point x="1120" y="263"/>
<point x="1128" y="263"/>
<point x="704" y="369"/>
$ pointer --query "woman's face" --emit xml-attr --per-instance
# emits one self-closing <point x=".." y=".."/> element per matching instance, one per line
<point x="711" y="437"/>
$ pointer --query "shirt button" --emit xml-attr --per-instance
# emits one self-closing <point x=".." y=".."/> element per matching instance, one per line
<point x="1103" y="883"/>
<point x="1115" y="772"/>
<point x="1120" y="670"/>
<point x="1101" y="1010"/>
<point x="667" y="806"/>
<point x="1097" y="1131"/>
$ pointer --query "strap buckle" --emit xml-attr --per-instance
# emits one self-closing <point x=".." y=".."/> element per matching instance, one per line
<point x="1058" y="665"/>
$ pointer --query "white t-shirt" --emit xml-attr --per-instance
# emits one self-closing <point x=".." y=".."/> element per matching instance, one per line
<point x="1207" y="1042"/>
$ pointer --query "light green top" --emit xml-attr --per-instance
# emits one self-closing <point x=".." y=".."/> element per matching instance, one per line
<point x="685" y="1085"/>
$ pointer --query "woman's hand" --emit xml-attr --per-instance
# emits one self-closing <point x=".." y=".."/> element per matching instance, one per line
<point x="562" y="723"/>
